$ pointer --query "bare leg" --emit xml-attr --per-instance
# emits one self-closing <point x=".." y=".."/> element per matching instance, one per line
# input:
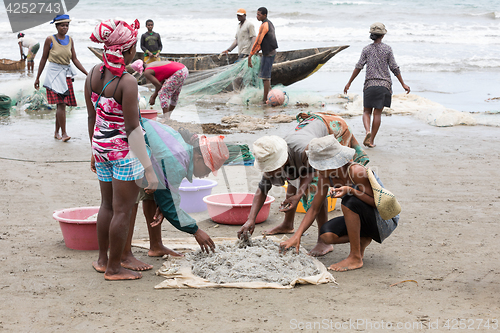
<point x="166" y="112"/>
<point x="377" y="118"/>
<point x="124" y="197"/>
<point x="103" y="220"/>
<point x="58" y="126"/>
<point x="358" y="244"/>
<point x="128" y="260"/>
<point x="321" y="247"/>
<point x="367" y="113"/>
<point x="267" y="88"/>
<point x="61" y="121"/>
<point x="286" y="227"/>
<point x="156" y="247"/>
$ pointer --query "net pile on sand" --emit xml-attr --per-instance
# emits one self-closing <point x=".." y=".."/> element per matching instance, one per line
<point x="257" y="260"/>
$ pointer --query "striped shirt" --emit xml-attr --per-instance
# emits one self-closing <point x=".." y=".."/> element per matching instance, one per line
<point x="109" y="142"/>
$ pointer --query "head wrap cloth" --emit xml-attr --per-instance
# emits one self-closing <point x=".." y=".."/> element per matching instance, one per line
<point x="214" y="151"/>
<point x="118" y="37"/>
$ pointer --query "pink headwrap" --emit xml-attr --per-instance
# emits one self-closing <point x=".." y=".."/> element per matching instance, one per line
<point x="214" y="152"/>
<point x="117" y="36"/>
<point x="138" y="66"/>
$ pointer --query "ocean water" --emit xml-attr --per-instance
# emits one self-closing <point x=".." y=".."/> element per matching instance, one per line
<point x="448" y="51"/>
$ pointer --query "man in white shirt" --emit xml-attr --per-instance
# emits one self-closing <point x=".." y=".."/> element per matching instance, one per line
<point x="245" y="36"/>
<point x="32" y="45"/>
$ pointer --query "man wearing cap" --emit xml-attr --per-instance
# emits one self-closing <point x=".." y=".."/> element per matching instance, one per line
<point x="265" y="41"/>
<point x="285" y="160"/>
<point x="245" y="36"/>
<point x="377" y="90"/>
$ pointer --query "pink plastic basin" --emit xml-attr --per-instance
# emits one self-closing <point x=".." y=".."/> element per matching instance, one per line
<point x="78" y="232"/>
<point x="149" y="114"/>
<point x="234" y="208"/>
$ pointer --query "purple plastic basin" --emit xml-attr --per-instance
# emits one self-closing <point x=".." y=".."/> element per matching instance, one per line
<point x="192" y="194"/>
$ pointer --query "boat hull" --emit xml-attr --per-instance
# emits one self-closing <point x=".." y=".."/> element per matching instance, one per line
<point x="288" y="68"/>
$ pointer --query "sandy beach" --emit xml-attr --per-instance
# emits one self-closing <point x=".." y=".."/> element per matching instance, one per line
<point x="448" y="242"/>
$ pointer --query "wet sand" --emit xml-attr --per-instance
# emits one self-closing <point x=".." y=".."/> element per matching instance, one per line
<point x="448" y="241"/>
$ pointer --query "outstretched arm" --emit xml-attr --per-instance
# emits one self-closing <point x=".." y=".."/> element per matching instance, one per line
<point x="91" y="116"/>
<point x="21" y="49"/>
<point x="311" y="214"/>
<point x="43" y="61"/>
<point x="258" y="201"/>
<point x="405" y="87"/>
<point x="229" y="49"/>
<point x="353" y="76"/>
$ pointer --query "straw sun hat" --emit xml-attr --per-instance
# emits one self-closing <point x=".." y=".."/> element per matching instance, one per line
<point x="326" y="153"/>
<point x="270" y="152"/>
<point x="386" y="203"/>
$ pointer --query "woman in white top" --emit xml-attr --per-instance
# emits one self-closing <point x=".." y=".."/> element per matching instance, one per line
<point x="32" y="45"/>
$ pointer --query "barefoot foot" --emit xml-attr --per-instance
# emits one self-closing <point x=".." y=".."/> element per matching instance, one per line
<point x="98" y="267"/>
<point x="57" y="136"/>
<point x="366" y="141"/>
<point x="161" y="251"/>
<point x="122" y="274"/>
<point x="65" y="138"/>
<point x="280" y="229"/>
<point x="347" y="264"/>
<point x="321" y="249"/>
<point x="134" y="264"/>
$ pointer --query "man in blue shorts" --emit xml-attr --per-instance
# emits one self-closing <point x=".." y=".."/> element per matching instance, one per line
<point x="265" y="41"/>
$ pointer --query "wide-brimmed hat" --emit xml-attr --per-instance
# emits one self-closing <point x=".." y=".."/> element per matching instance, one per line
<point x="326" y="153"/>
<point x="241" y="11"/>
<point x="270" y="152"/>
<point x="61" y="19"/>
<point x="378" y="28"/>
<point x="386" y="203"/>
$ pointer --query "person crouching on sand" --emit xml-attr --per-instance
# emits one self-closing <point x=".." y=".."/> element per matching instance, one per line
<point x="186" y="155"/>
<point x="116" y="136"/>
<point x="361" y="222"/>
<point x="377" y="90"/>
<point x="167" y="77"/>
<point x="285" y="160"/>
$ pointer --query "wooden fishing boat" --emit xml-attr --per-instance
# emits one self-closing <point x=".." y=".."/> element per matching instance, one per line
<point x="289" y="66"/>
<point x="11" y="65"/>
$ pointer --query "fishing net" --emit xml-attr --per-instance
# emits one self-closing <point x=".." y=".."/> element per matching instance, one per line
<point x="35" y="101"/>
<point x="226" y="78"/>
<point x="239" y="155"/>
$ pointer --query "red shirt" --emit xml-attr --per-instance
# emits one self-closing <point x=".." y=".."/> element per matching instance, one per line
<point x="163" y="72"/>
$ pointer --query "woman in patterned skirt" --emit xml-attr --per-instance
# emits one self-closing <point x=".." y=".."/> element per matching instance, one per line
<point x="167" y="77"/>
